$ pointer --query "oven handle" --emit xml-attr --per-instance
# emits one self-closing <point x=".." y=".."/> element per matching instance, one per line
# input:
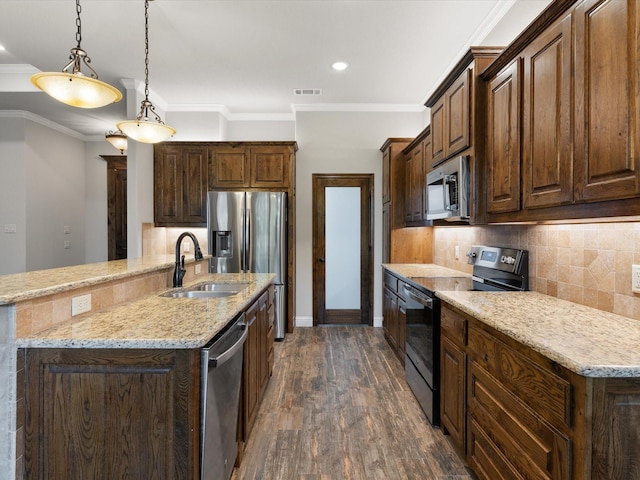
<point x="414" y="295"/>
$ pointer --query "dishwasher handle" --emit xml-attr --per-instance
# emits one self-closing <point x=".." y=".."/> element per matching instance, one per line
<point x="228" y="352"/>
<point x="418" y="297"/>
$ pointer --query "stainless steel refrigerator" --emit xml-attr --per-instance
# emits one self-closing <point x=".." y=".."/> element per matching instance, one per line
<point x="247" y="232"/>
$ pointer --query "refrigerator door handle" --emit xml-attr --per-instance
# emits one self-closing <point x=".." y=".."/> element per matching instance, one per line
<point x="247" y="236"/>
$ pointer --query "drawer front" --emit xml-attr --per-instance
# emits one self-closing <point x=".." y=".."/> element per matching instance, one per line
<point x="529" y="443"/>
<point x="391" y="282"/>
<point x="454" y="326"/>
<point x="546" y="393"/>
<point x="485" y="458"/>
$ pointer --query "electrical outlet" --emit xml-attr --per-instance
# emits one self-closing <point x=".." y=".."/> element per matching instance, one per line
<point x="67" y="244"/>
<point x="635" y="278"/>
<point x="198" y="269"/>
<point x="66" y="229"/>
<point x="456" y="251"/>
<point x="186" y="247"/>
<point x="80" y="304"/>
<point x="9" y="228"/>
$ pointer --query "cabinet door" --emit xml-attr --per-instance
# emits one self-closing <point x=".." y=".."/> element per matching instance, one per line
<point x="390" y="314"/>
<point x="438" y="134"/>
<point x="386" y="175"/>
<point x="112" y="413"/>
<point x="194" y="185"/>
<point x="607" y="133"/>
<point x="452" y="393"/>
<point x="408" y="172"/>
<point x="401" y="328"/>
<point x="228" y="167"/>
<point x="416" y="193"/>
<point x="167" y="181"/>
<point x="426" y="164"/>
<point x="251" y="387"/>
<point x="546" y="118"/>
<point x="180" y="185"/>
<point x="263" y="344"/>
<point x="503" y="141"/>
<point x="270" y="167"/>
<point x="456" y="125"/>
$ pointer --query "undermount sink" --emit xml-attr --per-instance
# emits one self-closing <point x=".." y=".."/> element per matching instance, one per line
<point x="207" y="290"/>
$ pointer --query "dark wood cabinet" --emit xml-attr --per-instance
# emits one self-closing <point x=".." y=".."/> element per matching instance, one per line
<point x="93" y="413"/>
<point x="239" y="166"/>
<point x="453" y="365"/>
<point x="458" y="122"/>
<point x="180" y="185"/>
<point x="529" y="417"/>
<point x="579" y="135"/>
<point x="547" y="173"/>
<point x="503" y="141"/>
<point x="393" y="175"/>
<point x="394" y="315"/>
<point x="607" y="105"/>
<point x="417" y="157"/>
<point x="258" y="361"/>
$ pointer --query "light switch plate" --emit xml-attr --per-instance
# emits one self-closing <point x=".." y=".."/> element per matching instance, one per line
<point x="635" y="278"/>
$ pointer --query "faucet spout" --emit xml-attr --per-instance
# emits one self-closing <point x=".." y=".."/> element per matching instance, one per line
<point x="179" y="271"/>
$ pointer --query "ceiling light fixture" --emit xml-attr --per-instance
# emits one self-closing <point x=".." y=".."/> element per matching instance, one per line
<point x="71" y="86"/>
<point x="118" y="139"/>
<point x="142" y="129"/>
<point x="339" y="66"/>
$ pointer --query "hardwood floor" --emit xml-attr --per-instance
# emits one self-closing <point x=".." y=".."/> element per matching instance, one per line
<point x="337" y="407"/>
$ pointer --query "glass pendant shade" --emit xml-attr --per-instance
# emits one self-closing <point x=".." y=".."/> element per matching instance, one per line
<point x="146" y="131"/>
<point x="76" y="89"/>
<point x="71" y="86"/>
<point x="118" y="140"/>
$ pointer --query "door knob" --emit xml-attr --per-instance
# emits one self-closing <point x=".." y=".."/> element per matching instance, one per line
<point x="321" y="260"/>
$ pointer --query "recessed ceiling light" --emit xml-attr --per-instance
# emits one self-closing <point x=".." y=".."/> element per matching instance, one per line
<point x="340" y="66"/>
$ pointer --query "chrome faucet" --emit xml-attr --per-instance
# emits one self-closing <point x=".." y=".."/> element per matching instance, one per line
<point x="178" y="273"/>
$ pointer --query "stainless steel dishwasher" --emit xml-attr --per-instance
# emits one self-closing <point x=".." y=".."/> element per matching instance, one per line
<point x="221" y="377"/>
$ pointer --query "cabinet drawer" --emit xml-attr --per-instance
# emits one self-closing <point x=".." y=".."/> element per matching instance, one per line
<point x="391" y="282"/>
<point x="454" y="326"/>
<point x="532" y="446"/>
<point x="485" y="458"/>
<point x="545" y="392"/>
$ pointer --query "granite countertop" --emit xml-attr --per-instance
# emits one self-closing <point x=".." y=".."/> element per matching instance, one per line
<point x="19" y="287"/>
<point x="154" y="321"/>
<point x="587" y="341"/>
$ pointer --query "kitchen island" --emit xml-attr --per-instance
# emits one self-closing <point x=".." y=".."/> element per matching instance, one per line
<point x="131" y="332"/>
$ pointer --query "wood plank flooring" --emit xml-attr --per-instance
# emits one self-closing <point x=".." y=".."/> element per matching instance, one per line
<point x="338" y="407"/>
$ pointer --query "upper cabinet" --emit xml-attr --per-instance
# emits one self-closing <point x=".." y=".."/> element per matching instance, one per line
<point x="247" y="166"/>
<point x="180" y="184"/>
<point x="607" y="131"/>
<point x="185" y="171"/>
<point x="577" y="147"/>
<point x="417" y="160"/>
<point x="457" y="109"/>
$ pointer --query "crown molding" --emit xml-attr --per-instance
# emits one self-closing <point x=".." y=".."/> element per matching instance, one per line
<point x="358" y="107"/>
<point x="32" y="117"/>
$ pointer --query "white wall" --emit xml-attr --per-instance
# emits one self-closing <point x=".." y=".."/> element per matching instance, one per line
<point x="13" y="246"/>
<point x="340" y="142"/>
<point x="55" y="197"/>
<point x="96" y="222"/>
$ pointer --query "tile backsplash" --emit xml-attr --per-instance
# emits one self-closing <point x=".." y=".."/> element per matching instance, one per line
<point x="588" y="264"/>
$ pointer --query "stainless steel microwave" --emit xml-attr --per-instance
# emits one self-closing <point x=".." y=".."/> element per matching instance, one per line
<point x="448" y="188"/>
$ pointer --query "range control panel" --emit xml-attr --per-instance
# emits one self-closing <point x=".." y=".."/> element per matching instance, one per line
<point x="497" y="258"/>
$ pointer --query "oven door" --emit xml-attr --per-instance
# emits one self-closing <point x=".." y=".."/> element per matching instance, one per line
<point x="423" y="350"/>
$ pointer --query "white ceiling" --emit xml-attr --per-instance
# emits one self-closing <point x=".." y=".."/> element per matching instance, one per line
<point x="245" y="57"/>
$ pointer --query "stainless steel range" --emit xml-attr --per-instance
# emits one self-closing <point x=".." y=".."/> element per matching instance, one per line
<point x="494" y="269"/>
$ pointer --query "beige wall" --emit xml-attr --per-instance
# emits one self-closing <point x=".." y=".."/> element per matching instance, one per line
<point x="588" y="264"/>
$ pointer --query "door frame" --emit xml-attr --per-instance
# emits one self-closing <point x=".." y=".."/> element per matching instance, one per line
<point x="116" y="206"/>
<point x="365" y="182"/>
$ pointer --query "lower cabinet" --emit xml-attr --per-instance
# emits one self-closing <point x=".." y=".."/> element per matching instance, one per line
<point x="112" y="413"/>
<point x="512" y="413"/>
<point x="394" y="315"/>
<point x="258" y="362"/>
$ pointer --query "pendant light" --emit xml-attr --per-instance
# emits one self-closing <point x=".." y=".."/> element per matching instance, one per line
<point x="117" y="139"/>
<point x="71" y="86"/>
<point x="143" y="129"/>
